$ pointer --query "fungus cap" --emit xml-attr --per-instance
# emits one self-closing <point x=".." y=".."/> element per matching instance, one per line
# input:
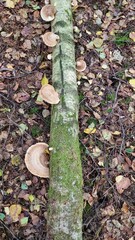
<point x="36" y="160"/>
<point x="50" y="39"/>
<point x="48" y="94"/>
<point x="80" y="65"/>
<point x="48" y="12"/>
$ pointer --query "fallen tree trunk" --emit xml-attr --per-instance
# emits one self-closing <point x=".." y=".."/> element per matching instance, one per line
<point x="65" y="192"/>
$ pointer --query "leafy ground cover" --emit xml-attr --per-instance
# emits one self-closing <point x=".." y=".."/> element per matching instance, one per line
<point x="104" y="34"/>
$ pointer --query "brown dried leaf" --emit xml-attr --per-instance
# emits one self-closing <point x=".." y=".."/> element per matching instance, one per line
<point x="133" y="164"/>
<point x="122" y="183"/>
<point x="21" y="97"/>
<point x="108" y="211"/>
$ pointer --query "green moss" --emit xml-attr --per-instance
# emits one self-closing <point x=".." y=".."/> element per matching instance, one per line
<point x="110" y="97"/>
<point x="65" y="174"/>
<point x="34" y="110"/>
<point x="60" y="23"/>
<point x="122" y="39"/>
<point x="36" y="131"/>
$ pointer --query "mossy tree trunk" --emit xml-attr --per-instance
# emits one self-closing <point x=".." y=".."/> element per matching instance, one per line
<point x="65" y="193"/>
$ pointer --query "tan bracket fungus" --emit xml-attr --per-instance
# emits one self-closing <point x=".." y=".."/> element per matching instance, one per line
<point x="80" y="65"/>
<point x="50" y="39"/>
<point x="48" y="94"/>
<point x="36" y="160"/>
<point x="48" y="12"/>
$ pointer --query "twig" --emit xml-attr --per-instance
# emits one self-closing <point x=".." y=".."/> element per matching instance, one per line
<point x="116" y="94"/>
<point x="123" y="136"/>
<point x="4" y="225"/>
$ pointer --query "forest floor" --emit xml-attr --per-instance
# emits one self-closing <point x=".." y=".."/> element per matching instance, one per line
<point x="104" y="33"/>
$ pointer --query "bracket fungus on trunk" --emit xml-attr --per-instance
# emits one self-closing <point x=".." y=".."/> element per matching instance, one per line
<point x="48" y="94"/>
<point x="48" y="13"/>
<point x="36" y="160"/>
<point x="50" y="39"/>
<point x="80" y="65"/>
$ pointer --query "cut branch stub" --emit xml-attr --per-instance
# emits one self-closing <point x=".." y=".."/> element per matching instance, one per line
<point x="36" y="160"/>
<point x="50" y="39"/>
<point x="48" y="13"/>
<point x="48" y="94"/>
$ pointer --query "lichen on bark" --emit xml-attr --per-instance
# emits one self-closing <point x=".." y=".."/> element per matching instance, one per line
<point x="65" y="192"/>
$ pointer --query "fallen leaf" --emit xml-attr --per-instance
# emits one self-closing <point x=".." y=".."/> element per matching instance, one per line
<point x="116" y="133"/>
<point x="114" y="162"/>
<point x="1" y="172"/>
<point x="132" y="36"/>
<point x="96" y="115"/>
<point x="23" y="195"/>
<point x="122" y="183"/>
<point x="31" y="198"/>
<point x="133" y="165"/>
<point x="21" y="97"/>
<point x="45" y="113"/>
<point x="37" y="207"/>
<point x="24" y="221"/>
<point x="23" y="127"/>
<point x="14" y="212"/>
<point x="89" y="130"/>
<point x="35" y="218"/>
<point x="98" y="42"/>
<point x="104" y="66"/>
<point x="96" y="152"/>
<point x="108" y="211"/>
<point x="117" y="56"/>
<point x="132" y="82"/>
<point x="11" y="3"/>
<point x="27" y="44"/>
<point x="125" y="208"/>
<point x="6" y="209"/>
<point x="106" y="134"/>
<point x="24" y="186"/>
<point x="2" y="216"/>
<point x="87" y="197"/>
<point x="15" y="160"/>
<point x="44" y="80"/>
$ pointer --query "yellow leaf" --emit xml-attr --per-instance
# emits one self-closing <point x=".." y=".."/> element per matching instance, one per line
<point x="44" y="80"/>
<point x="14" y="212"/>
<point x="116" y="133"/>
<point x="89" y="130"/>
<point x="15" y="160"/>
<point x="132" y="36"/>
<point x="132" y="82"/>
<point x="11" y="3"/>
<point x="98" y="33"/>
<point x="98" y="42"/>
<point x="31" y="198"/>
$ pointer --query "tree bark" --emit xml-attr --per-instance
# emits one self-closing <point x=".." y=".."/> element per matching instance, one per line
<point x="65" y="192"/>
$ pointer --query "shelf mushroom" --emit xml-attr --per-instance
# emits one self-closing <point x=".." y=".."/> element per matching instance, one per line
<point x="48" y="94"/>
<point x="36" y="160"/>
<point x="48" y="13"/>
<point x="80" y="65"/>
<point x="50" y="39"/>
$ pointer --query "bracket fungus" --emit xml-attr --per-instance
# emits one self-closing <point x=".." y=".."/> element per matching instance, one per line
<point x="48" y="94"/>
<point x="36" y="160"/>
<point x="50" y="39"/>
<point x="48" y="12"/>
<point x="80" y="65"/>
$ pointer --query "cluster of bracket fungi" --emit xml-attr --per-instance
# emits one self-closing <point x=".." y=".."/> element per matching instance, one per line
<point x="36" y="157"/>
